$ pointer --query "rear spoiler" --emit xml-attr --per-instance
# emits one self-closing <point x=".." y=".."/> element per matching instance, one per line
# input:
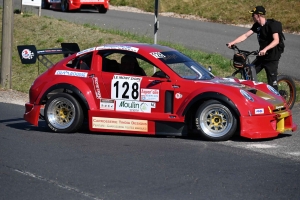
<point x="29" y="54"/>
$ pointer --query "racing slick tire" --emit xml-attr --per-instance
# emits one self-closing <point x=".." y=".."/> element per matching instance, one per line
<point x="102" y="9"/>
<point x="287" y="89"/>
<point x="63" y="113"/>
<point x="215" y="121"/>
<point x="64" y="5"/>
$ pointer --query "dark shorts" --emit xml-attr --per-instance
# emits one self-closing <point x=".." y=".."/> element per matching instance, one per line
<point x="271" y="68"/>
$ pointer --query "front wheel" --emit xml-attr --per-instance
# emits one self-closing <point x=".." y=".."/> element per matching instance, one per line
<point x="287" y="89"/>
<point x="64" y="6"/>
<point x="215" y="121"/>
<point x="63" y="113"/>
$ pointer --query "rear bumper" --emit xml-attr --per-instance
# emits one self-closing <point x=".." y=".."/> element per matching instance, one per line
<point x="32" y="113"/>
<point x="78" y="5"/>
<point x="267" y="126"/>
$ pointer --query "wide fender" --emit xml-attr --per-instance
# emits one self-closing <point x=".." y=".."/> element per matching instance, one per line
<point x="230" y="96"/>
<point x="78" y="87"/>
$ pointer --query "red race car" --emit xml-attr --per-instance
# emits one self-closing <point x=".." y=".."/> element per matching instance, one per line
<point x="149" y="89"/>
<point x="68" y="5"/>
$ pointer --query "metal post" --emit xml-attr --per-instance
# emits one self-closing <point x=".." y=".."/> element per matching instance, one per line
<point x="6" y="50"/>
<point x="40" y="10"/>
<point x="156" y="26"/>
<point x="156" y="22"/>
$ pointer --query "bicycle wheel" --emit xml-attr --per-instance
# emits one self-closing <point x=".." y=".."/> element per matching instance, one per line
<point x="287" y="89"/>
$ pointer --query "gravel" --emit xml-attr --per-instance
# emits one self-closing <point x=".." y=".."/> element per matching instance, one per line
<point x="12" y="96"/>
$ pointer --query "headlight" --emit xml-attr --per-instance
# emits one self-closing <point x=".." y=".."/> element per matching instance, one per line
<point x="246" y="95"/>
<point x="273" y="90"/>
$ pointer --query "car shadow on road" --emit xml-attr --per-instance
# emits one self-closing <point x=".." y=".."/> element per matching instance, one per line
<point x="25" y="126"/>
<point x="20" y="124"/>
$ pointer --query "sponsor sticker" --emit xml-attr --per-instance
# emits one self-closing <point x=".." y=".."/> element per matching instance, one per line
<point x="96" y="87"/>
<point x="157" y="55"/>
<point x="127" y="48"/>
<point x="85" y="51"/>
<point x="71" y="73"/>
<point x="107" y="104"/>
<point x="120" y="124"/>
<point x="149" y="94"/>
<point x="153" y="105"/>
<point x="133" y="106"/>
<point x="259" y="111"/>
<point x="178" y="95"/>
<point x="27" y="54"/>
<point x="125" y="87"/>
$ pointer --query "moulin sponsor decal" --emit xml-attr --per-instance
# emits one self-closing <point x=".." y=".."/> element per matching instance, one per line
<point x="133" y="106"/>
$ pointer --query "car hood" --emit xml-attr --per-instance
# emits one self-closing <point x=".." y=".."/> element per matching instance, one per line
<point x="261" y="91"/>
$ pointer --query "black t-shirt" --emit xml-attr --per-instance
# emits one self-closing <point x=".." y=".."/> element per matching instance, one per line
<point x="265" y="37"/>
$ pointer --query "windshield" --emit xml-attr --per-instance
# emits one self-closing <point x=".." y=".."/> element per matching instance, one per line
<point x="184" y="66"/>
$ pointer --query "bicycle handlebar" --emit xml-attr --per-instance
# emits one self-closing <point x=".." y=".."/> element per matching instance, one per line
<point x="248" y="53"/>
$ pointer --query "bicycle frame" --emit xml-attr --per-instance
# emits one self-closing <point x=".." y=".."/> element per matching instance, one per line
<point x="286" y="85"/>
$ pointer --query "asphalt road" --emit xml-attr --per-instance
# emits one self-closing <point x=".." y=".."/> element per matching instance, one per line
<point x="36" y="163"/>
<point x="209" y="37"/>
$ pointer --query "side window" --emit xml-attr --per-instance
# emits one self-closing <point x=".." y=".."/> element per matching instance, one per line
<point x="111" y="63"/>
<point x="82" y="62"/>
<point x="117" y="62"/>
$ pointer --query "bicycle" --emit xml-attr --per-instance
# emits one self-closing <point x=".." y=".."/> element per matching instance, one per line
<point x="243" y="66"/>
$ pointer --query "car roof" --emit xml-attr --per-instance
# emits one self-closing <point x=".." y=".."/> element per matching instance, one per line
<point x="134" y="47"/>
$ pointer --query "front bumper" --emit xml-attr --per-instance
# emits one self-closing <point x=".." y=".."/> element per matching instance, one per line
<point x="32" y="113"/>
<point x="267" y="126"/>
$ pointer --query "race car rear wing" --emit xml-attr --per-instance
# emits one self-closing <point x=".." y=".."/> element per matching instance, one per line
<point x="28" y="53"/>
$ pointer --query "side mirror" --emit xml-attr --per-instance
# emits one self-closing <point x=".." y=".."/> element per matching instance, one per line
<point x="159" y="74"/>
<point x="209" y="68"/>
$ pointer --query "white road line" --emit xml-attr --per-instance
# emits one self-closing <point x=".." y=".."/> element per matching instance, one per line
<point x="261" y="146"/>
<point x="57" y="184"/>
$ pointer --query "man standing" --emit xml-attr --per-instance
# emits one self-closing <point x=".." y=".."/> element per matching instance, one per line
<point x="268" y="34"/>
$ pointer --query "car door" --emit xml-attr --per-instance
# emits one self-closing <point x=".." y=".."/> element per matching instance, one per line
<point x="142" y="97"/>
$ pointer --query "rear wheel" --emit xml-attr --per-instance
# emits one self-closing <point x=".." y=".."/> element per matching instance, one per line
<point x="215" y="121"/>
<point x="287" y="89"/>
<point x="64" y="6"/>
<point x="102" y="9"/>
<point x="63" y="113"/>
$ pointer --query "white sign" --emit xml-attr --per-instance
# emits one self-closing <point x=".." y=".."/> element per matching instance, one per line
<point x="149" y="94"/>
<point x="125" y="87"/>
<point x="37" y="3"/>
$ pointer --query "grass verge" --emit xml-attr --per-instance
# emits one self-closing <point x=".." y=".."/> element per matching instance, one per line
<point x="225" y="11"/>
